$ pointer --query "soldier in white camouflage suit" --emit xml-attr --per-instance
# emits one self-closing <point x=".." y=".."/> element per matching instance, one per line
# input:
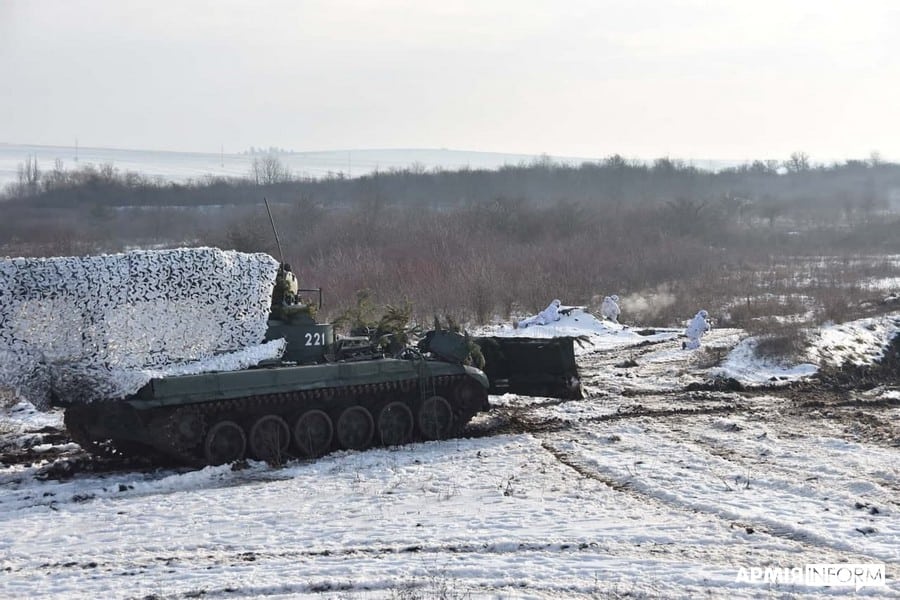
<point x="610" y="308"/>
<point x="695" y="330"/>
<point x="548" y="315"/>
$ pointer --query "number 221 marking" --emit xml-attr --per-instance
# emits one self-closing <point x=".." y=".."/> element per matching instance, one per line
<point x="315" y="339"/>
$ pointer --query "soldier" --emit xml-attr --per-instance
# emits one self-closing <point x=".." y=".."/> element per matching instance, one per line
<point x="695" y="330"/>
<point x="285" y="291"/>
<point x="548" y="315"/>
<point x="610" y="308"/>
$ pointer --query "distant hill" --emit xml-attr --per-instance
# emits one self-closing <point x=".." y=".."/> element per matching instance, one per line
<point x="181" y="166"/>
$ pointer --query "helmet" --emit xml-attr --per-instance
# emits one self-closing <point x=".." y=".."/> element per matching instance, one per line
<point x="614" y="298"/>
<point x="703" y="314"/>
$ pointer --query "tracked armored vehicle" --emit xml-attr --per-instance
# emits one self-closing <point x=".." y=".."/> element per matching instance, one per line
<point x="324" y="394"/>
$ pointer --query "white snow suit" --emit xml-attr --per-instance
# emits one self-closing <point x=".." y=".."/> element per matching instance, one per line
<point x="548" y="315"/>
<point x="695" y="330"/>
<point x="610" y="308"/>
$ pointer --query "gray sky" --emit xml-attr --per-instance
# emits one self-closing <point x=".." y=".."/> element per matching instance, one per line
<point x="686" y="79"/>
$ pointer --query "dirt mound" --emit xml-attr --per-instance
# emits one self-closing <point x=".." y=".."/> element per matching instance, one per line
<point x="719" y="384"/>
<point x="886" y="371"/>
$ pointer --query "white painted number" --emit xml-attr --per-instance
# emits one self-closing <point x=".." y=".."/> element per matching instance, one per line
<point x="315" y="339"/>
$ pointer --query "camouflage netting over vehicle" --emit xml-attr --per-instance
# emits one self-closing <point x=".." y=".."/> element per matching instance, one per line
<point x="98" y="327"/>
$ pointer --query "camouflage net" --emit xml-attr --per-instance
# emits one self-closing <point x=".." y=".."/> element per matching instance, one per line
<point x="97" y="327"/>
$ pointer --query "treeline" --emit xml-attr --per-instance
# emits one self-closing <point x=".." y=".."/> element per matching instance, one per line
<point x="772" y="189"/>
<point x="476" y="244"/>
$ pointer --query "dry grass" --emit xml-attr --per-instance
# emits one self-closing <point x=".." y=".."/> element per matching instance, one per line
<point x="780" y="341"/>
<point x="709" y="357"/>
<point x="746" y="310"/>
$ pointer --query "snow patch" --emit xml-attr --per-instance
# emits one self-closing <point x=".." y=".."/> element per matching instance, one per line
<point x="743" y="365"/>
<point x="860" y="342"/>
<point x="575" y="321"/>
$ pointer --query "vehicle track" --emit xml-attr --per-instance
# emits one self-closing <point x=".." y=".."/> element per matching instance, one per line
<point x="214" y="557"/>
<point x="806" y="539"/>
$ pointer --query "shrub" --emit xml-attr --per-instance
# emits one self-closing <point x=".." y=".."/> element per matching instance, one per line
<point x="781" y="342"/>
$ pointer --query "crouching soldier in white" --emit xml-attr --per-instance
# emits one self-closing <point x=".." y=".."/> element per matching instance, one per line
<point x="610" y="308"/>
<point x="548" y="315"/>
<point x="695" y="330"/>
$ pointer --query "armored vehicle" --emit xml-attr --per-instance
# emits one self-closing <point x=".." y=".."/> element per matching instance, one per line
<point x="324" y="394"/>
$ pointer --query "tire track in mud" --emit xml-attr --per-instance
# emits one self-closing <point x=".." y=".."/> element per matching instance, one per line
<point x="613" y="358"/>
<point x="869" y="420"/>
<point x="806" y="539"/>
<point x="510" y="420"/>
<point x="620" y="371"/>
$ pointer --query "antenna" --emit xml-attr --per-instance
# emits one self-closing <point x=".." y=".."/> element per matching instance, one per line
<point x="275" y="231"/>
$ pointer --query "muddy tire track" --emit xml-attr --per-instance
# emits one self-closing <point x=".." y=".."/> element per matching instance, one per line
<point x="515" y="420"/>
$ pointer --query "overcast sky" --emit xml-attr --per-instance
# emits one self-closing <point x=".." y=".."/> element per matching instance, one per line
<point x="685" y="79"/>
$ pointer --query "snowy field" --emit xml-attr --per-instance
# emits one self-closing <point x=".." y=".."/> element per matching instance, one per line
<point x="644" y="489"/>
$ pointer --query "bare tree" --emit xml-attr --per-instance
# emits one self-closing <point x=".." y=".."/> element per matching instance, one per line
<point x="269" y="169"/>
<point x="797" y="163"/>
<point x="56" y="178"/>
<point x="108" y="172"/>
<point x="686" y="216"/>
<point x="29" y="175"/>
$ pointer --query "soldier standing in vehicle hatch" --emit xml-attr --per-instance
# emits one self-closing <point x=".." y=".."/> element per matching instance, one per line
<point x="285" y="291"/>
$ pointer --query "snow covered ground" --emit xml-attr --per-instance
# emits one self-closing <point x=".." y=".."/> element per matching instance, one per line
<point x="644" y="489"/>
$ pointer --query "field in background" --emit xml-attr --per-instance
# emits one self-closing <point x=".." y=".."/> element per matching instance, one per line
<point x="181" y="167"/>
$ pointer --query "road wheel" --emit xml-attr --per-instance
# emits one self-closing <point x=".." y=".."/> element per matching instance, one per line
<point x="313" y="432"/>
<point x="435" y="418"/>
<point x="269" y="438"/>
<point x="355" y="428"/>
<point x="224" y="443"/>
<point x="395" y="424"/>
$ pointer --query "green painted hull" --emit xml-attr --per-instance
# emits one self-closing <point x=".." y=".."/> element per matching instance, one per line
<point x="211" y="387"/>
